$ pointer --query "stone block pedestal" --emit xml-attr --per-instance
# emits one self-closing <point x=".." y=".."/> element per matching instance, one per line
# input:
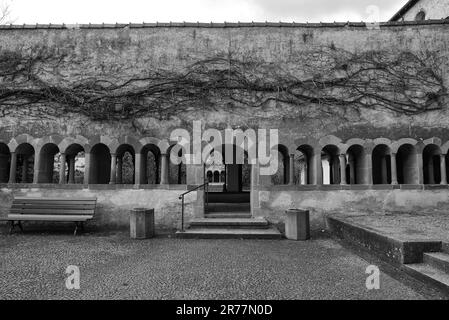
<point x="141" y="223"/>
<point x="297" y="224"/>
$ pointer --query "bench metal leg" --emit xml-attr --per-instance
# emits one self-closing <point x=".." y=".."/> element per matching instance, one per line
<point x="12" y="227"/>
<point x="14" y="224"/>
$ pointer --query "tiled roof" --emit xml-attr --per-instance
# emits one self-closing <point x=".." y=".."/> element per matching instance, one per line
<point x="217" y="25"/>
<point x="404" y="9"/>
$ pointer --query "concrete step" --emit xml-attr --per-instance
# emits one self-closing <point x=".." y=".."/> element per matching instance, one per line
<point x="229" y="207"/>
<point x="215" y="233"/>
<point x="438" y="260"/>
<point x="429" y="274"/>
<point x="243" y="223"/>
<point x="229" y="197"/>
<point x="228" y="215"/>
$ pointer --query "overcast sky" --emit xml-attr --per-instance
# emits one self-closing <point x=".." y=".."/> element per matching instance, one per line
<point x="111" y="11"/>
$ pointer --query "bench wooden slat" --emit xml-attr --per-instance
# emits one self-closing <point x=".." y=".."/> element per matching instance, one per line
<point x="47" y="206"/>
<point x="28" y="199"/>
<point x="53" y="211"/>
<point x="54" y="202"/>
<point x="78" y="210"/>
<point x="32" y="217"/>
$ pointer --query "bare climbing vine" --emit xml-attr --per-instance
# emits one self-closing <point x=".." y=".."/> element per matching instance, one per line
<point x="37" y="80"/>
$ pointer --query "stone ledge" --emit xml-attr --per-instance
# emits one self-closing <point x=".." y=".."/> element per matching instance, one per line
<point x="390" y="249"/>
<point x="354" y="187"/>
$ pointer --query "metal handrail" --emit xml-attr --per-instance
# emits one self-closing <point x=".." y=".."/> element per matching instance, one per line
<point x="181" y="197"/>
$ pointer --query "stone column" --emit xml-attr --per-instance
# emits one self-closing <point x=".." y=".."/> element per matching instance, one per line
<point x="120" y="170"/>
<point x="13" y="168"/>
<point x="419" y="168"/>
<point x="72" y="169"/>
<point x="139" y="169"/>
<point x="394" y="173"/>
<point x="317" y="168"/>
<point x="342" y="158"/>
<point x="291" y="172"/>
<point x="37" y="168"/>
<point x="24" y="169"/>
<point x="113" y="176"/>
<point x="443" y="169"/>
<point x="62" y="162"/>
<point x="87" y="158"/>
<point x="164" y="168"/>
<point x="368" y="169"/>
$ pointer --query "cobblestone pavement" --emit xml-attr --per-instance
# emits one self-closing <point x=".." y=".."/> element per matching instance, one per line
<point x="33" y="264"/>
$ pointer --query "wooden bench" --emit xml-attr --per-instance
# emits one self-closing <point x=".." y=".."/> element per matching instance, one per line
<point x="77" y="210"/>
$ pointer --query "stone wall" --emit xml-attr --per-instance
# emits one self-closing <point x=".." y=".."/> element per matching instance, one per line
<point x="114" y="202"/>
<point x="116" y="53"/>
<point x="271" y="202"/>
<point x="120" y="52"/>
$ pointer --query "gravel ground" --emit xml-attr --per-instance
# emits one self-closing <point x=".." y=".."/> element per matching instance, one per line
<point x="32" y="266"/>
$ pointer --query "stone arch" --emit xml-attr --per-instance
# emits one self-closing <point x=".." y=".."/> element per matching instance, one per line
<point x="148" y="141"/>
<point x="431" y="163"/>
<point x="282" y="174"/>
<point x="329" y="140"/>
<point x="49" y="155"/>
<point x="381" y="161"/>
<point x="209" y="176"/>
<point x="177" y="173"/>
<point x="330" y="164"/>
<point x="126" y="140"/>
<point x="76" y="163"/>
<point x="125" y="163"/>
<point x="105" y="140"/>
<point x="151" y="162"/>
<point x="397" y="144"/>
<point x="69" y="141"/>
<point x="24" y="172"/>
<point x="421" y="15"/>
<point x="53" y="139"/>
<point x="407" y="163"/>
<point x="216" y="176"/>
<point x="356" y="167"/>
<point x="20" y="139"/>
<point x="304" y="157"/>
<point x="100" y="164"/>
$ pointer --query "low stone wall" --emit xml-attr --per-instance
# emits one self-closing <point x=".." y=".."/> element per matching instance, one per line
<point x="113" y="202"/>
<point x="271" y="202"/>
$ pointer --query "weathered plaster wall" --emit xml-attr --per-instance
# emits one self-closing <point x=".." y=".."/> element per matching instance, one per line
<point x="113" y="203"/>
<point x="434" y="9"/>
<point x="122" y="52"/>
<point x="272" y="202"/>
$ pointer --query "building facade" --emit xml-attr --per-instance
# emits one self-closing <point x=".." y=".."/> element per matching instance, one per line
<point x="419" y="10"/>
<point x="362" y="115"/>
